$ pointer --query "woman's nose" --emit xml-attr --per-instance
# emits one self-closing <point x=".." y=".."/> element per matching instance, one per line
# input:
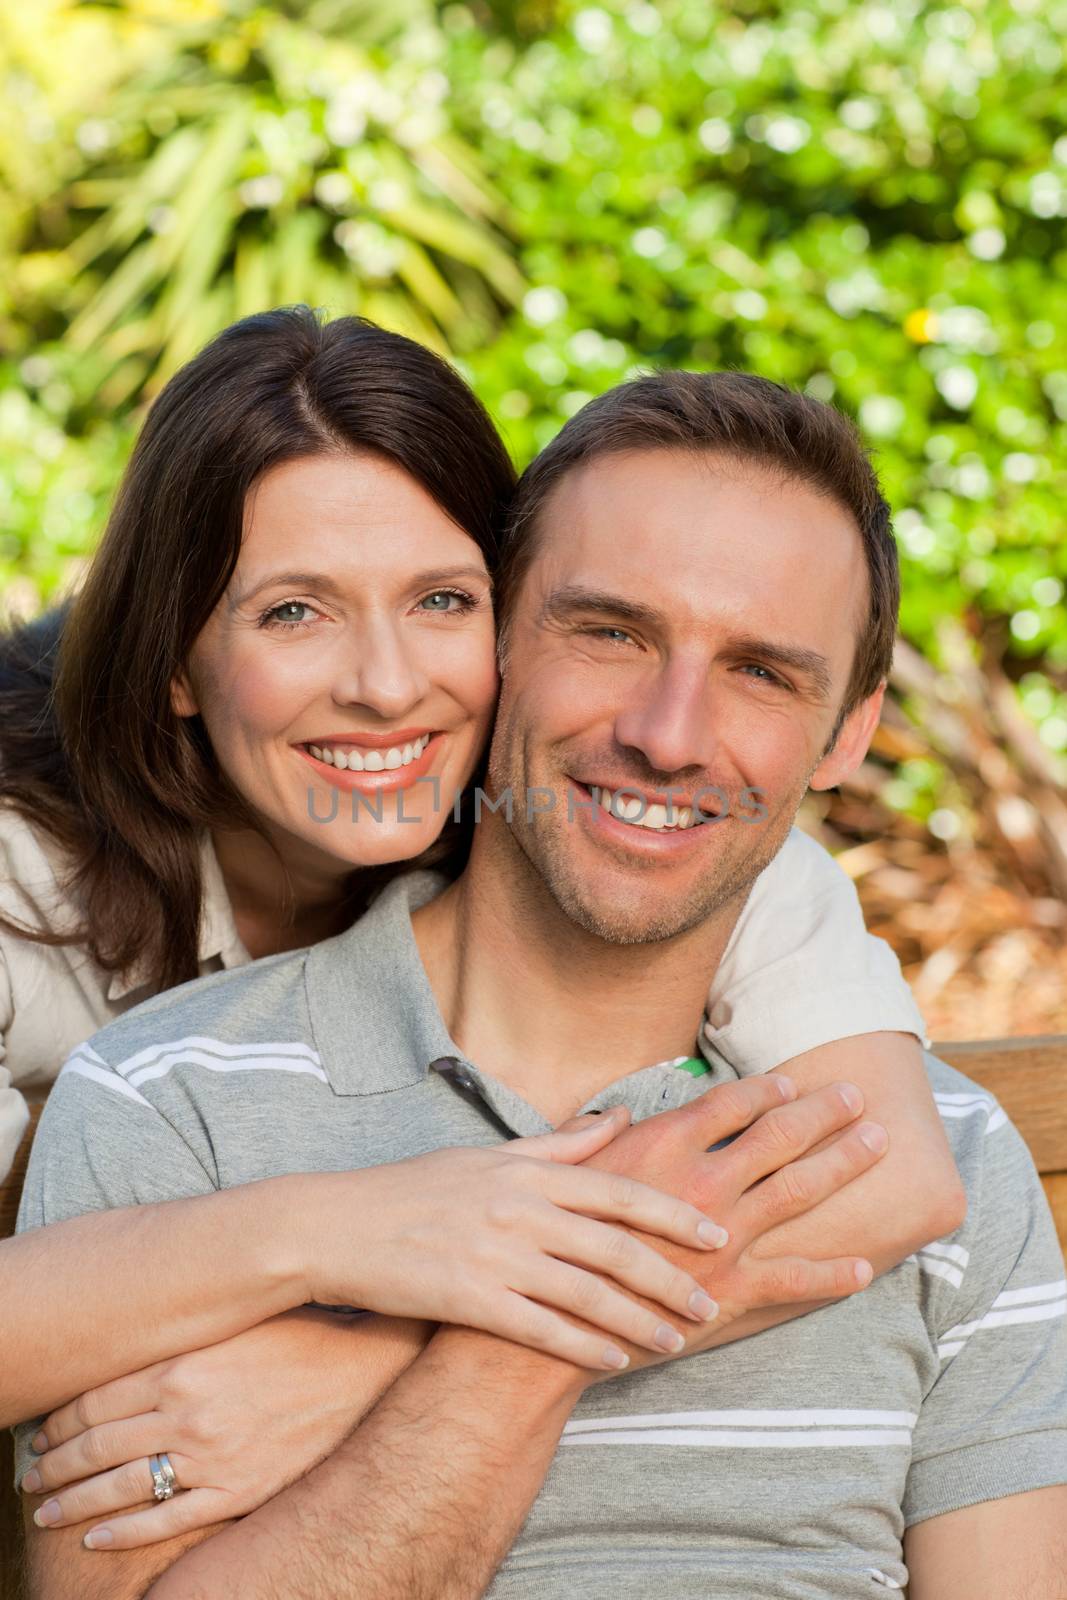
<point x="382" y="674"/>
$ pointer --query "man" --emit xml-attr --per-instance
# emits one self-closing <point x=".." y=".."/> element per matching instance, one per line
<point x="749" y="657"/>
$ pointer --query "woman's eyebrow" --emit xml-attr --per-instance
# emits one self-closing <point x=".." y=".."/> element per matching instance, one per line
<point x="322" y="582"/>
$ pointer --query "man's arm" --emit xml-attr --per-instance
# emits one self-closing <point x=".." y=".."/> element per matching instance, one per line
<point x="422" y="1502"/>
<point x="1011" y="1549"/>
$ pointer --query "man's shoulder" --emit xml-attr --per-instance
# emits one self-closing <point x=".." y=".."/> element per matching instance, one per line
<point x="971" y="1115"/>
<point x="233" y="1007"/>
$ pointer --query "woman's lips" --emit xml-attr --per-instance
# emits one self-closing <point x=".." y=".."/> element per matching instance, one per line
<point x="375" y="782"/>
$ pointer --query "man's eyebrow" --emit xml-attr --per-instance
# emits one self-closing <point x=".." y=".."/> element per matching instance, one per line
<point x="324" y="583"/>
<point x="793" y="657"/>
<point x="564" y="603"/>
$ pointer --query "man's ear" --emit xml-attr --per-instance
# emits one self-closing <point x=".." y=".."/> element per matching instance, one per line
<point x="852" y="742"/>
<point x="183" y="701"/>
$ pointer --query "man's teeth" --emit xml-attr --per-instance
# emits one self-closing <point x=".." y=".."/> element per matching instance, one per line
<point x="346" y="759"/>
<point x="628" y="808"/>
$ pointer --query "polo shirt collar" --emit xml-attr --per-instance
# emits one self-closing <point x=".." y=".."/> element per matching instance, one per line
<point x="373" y="1014"/>
<point x="218" y="937"/>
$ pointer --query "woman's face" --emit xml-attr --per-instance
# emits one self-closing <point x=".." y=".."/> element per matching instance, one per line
<point x="347" y="678"/>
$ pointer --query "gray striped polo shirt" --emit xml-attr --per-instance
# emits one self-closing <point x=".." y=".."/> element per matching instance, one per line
<point x="786" y="1465"/>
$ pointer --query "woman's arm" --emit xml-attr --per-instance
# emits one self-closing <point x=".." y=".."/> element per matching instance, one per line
<point x="495" y="1238"/>
<point x="803" y="986"/>
<point x="914" y="1195"/>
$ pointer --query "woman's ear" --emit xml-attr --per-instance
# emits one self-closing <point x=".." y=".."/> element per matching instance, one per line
<point x="182" y="699"/>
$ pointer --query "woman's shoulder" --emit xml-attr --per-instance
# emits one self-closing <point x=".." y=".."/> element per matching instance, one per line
<point x="33" y="869"/>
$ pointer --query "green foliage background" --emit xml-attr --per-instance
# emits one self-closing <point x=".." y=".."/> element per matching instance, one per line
<point x="867" y="200"/>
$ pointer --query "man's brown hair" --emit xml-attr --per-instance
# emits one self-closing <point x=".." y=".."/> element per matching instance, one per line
<point x="746" y="419"/>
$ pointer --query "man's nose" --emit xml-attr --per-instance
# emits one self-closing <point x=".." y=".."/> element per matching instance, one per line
<point x="669" y="720"/>
<point x="380" y="671"/>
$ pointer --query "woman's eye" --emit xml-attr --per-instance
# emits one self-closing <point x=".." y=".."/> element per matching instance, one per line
<point x="442" y="600"/>
<point x="287" y="615"/>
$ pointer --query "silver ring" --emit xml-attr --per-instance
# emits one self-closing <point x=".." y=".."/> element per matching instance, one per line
<point x="164" y="1478"/>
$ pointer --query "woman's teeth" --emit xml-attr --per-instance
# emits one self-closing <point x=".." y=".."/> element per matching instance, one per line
<point x="346" y="759"/>
<point x="628" y="808"/>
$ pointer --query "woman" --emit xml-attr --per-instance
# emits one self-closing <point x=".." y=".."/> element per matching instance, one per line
<point x="293" y="599"/>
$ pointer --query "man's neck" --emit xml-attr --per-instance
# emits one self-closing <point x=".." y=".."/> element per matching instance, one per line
<point x="546" y="1007"/>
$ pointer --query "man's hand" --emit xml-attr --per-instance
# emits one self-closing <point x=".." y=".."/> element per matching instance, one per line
<point x="770" y="1173"/>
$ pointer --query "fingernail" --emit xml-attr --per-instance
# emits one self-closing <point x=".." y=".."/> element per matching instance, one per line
<point x="615" y="1359"/>
<point x="39" y="1444"/>
<point x="669" y="1338"/>
<point x="703" y="1306"/>
<point x="31" y="1483"/>
<point x="711" y="1234"/>
<point x="786" y="1087"/>
<point x="45" y="1515"/>
<point x="874" y="1136"/>
<point x="97" y="1538"/>
<point x="864" y="1273"/>
<point x="851" y="1096"/>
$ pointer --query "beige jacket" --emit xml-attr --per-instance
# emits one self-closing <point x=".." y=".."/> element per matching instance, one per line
<point x="53" y="997"/>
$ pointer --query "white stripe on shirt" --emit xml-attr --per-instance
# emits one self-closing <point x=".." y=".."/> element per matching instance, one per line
<point x="752" y="1430"/>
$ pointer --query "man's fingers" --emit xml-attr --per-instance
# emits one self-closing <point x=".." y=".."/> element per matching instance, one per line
<point x="792" y="1280"/>
<point x="789" y="1131"/>
<point x="723" y="1111"/>
<point x="192" y="1508"/>
<point x="804" y="1184"/>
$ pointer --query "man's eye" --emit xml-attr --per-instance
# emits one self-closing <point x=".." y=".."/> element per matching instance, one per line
<point x="767" y="675"/>
<point x="613" y="635"/>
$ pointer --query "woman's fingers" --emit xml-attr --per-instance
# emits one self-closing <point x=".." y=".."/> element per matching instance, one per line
<point x="192" y="1508"/>
<point x="628" y="1260"/>
<point x="613" y="1197"/>
<point x="117" y="1490"/>
<point x="525" y="1322"/>
<point x="559" y="1284"/>
<point x="575" y="1140"/>
<point x="109" y="1444"/>
<point x="122" y="1397"/>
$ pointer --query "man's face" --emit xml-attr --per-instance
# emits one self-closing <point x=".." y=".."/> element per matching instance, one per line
<point x="687" y="624"/>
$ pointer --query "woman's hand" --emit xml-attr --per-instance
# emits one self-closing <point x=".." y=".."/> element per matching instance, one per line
<point x="239" y="1421"/>
<point x="505" y="1238"/>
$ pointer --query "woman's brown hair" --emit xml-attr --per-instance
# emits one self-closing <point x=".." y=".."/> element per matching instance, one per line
<point x="91" y="749"/>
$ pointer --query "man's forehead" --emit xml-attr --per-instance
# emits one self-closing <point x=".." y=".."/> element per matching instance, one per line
<point x="700" y="539"/>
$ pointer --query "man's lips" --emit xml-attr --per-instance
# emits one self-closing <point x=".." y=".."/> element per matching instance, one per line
<point x="678" y="799"/>
<point x="654" y="842"/>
